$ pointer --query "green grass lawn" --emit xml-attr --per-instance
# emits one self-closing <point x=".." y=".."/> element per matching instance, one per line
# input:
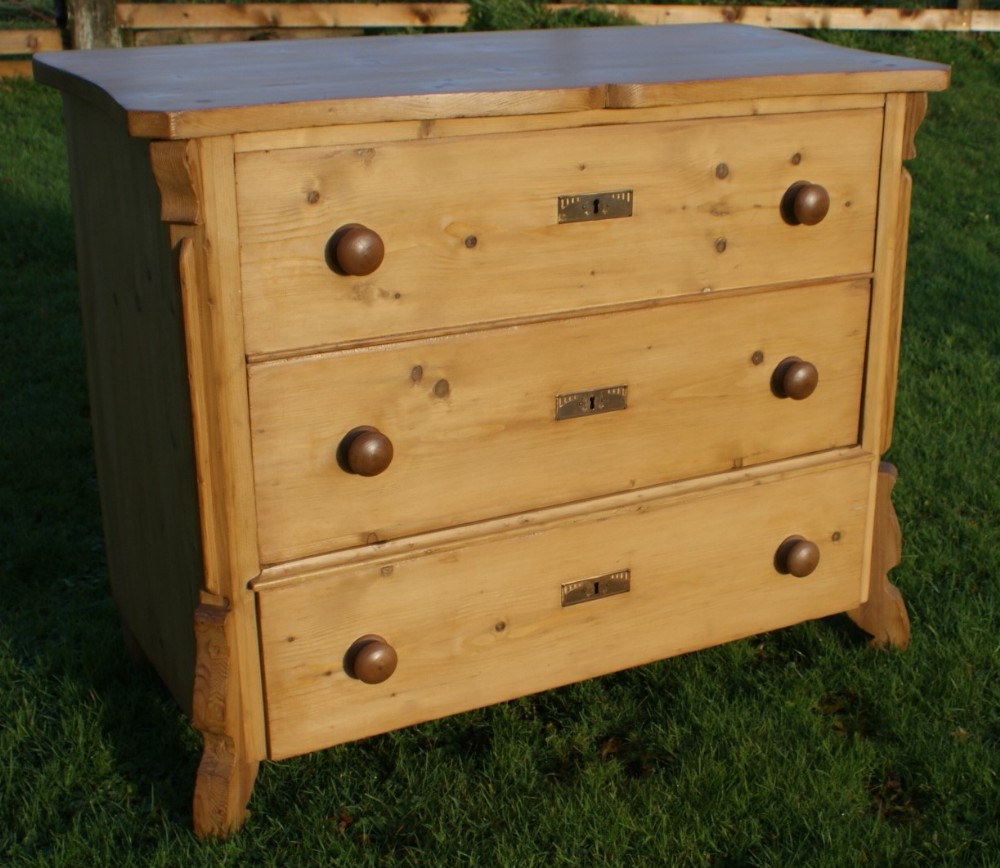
<point x="799" y="747"/>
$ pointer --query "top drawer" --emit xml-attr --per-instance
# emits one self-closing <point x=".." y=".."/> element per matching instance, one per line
<point x="471" y="225"/>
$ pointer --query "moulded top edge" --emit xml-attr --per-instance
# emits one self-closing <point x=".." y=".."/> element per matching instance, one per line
<point x="196" y="90"/>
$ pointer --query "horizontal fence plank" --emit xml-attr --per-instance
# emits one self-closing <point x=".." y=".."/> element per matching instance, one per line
<point x="15" y="69"/>
<point x="204" y="36"/>
<point x="30" y="41"/>
<point x="154" y="16"/>
<point x="818" y="17"/>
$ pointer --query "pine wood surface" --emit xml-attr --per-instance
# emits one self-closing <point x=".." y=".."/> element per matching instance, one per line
<point x="175" y="166"/>
<point x="218" y="395"/>
<point x="402" y="131"/>
<point x="690" y="229"/>
<point x="442" y="540"/>
<point x="181" y="91"/>
<point x="472" y="421"/>
<point x="484" y="623"/>
<point x="894" y="318"/>
<point x="137" y="380"/>
<point x="914" y="113"/>
<point x="887" y="285"/>
<point x="890" y="257"/>
<point x="883" y="613"/>
<point x="225" y="778"/>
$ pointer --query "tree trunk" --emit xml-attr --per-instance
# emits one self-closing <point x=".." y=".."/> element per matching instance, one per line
<point x="92" y="24"/>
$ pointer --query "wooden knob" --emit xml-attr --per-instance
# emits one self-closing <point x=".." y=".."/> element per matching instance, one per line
<point x="365" y="451"/>
<point x="794" y="378"/>
<point x="796" y="556"/>
<point x="370" y="659"/>
<point x="357" y="250"/>
<point x="805" y="204"/>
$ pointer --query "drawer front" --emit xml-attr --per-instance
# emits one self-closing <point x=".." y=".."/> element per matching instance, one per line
<point x="471" y="228"/>
<point x="485" y="623"/>
<point x="472" y="418"/>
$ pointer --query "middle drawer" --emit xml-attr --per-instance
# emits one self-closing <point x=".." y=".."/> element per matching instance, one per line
<point x="471" y="420"/>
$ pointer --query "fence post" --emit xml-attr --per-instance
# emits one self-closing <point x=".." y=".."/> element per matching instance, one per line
<point x="92" y="24"/>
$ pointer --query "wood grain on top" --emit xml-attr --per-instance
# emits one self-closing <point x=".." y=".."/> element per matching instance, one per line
<point x="196" y="90"/>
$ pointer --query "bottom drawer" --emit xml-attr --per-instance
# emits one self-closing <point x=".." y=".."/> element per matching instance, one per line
<point x="485" y="621"/>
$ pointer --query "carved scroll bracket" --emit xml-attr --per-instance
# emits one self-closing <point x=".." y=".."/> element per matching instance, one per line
<point x="916" y="111"/>
<point x="175" y="167"/>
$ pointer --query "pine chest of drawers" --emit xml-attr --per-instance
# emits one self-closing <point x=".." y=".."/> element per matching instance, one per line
<point x="430" y="372"/>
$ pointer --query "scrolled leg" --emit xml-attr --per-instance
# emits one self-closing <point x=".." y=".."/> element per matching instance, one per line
<point x="222" y="788"/>
<point x="884" y="614"/>
<point x="225" y="778"/>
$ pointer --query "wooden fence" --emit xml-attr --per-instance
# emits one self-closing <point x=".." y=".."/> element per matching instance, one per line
<point x="25" y="42"/>
<point x="163" y="23"/>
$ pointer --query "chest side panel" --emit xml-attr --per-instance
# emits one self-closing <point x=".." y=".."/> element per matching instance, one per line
<point x="138" y="387"/>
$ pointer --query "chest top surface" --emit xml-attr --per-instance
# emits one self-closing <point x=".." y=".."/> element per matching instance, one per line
<point x="196" y="90"/>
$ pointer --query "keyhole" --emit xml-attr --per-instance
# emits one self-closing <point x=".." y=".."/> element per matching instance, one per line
<point x="597" y="206"/>
<point x="593" y="402"/>
<point x="597" y="589"/>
